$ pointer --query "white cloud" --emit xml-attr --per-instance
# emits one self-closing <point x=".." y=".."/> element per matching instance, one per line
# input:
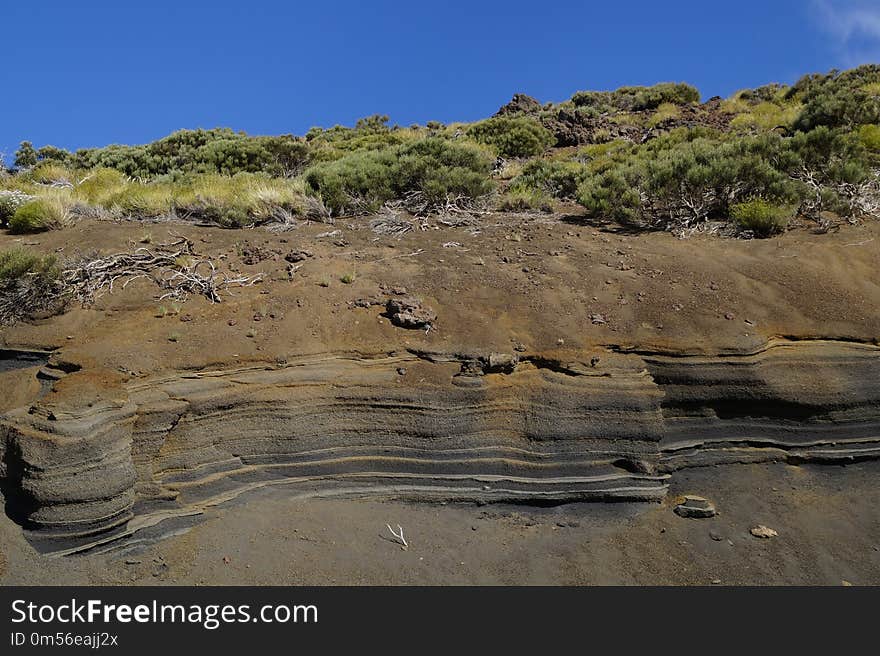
<point x="853" y="25"/>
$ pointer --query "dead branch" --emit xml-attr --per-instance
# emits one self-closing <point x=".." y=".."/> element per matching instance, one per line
<point x="398" y="535"/>
<point x="860" y="243"/>
<point x="173" y="266"/>
<point x="395" y="257"/>
<point x="390" y="223"/>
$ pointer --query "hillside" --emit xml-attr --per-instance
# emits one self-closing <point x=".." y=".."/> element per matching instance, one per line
<point x="649" y="157"/>
<point x="603" y="299"/>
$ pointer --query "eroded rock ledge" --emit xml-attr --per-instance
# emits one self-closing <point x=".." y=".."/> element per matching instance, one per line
<point x="612" y="425"/>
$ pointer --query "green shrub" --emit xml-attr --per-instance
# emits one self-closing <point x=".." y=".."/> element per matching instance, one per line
<point x="369" y="133"/>
<point x="613" y="194"/>
<point x="834" y="156"/>
<point x="513" y="137"/>
<point x="433" y="168"/>
<point x="25" y="156"/>
<point x="17" y="262"/>
<point x="524" y="200"/>
<point x="47" y="173"/>
<point x="761" y="217"/>
<point x="553" y="177"/>
<point x="140" y="200"/>
<point x="55" y="155"/>
<point x="767" y="93"/>
<point x="219" y="150"/>
<point x="637" y="98"/>
<point x="232" y="201"/>
<point x="100" y="185"/>
<point x="227" y="216"/>
<point x="665" y="112"/>
<point x="767" y="116"/>
<point x="869" y="135"/>
<point x="10" y="201"/>
<point x="838" y="99"/>
<point x="29" y="285"/>
<point x="46" y="213"/>
<point x="683" y="179"/>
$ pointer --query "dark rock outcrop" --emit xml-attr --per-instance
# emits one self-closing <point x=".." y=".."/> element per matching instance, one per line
<point x="519" y="104"/>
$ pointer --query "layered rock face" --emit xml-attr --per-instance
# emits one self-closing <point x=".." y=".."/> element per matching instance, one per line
<point x="610" y="425"/>
<point x="802" y="400"/>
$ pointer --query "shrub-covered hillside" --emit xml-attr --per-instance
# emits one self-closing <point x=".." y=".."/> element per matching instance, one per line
<point x="648" y="157"/>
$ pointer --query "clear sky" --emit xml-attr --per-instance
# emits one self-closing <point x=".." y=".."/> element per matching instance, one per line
<point x="94" y="72"/>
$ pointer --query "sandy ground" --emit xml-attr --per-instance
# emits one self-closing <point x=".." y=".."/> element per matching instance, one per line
<point x="539" y="281"/>
<point x="827" y="519"/>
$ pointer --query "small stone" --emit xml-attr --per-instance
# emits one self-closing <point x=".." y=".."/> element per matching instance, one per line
<point x="597" y="319"/>
<point x="231" y="322"/>
<point x="716" y="581"/>
<point x="297" y="256"/>
<point x="730" y="316"/>
<point x="501" y="363"/>
<point x="409" y="313"/>
<point x="401" y="371"/>
<point x="761" y="531"/>
<point x="715" y="535"/>
<point x="695" y="507"/>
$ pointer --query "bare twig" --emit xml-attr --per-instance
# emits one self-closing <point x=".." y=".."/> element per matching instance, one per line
<point x="394" y="257"/>
<point x="398" y="535"/>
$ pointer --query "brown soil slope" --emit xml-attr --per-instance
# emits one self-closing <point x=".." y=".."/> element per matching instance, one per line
<point x="567" y="362"/>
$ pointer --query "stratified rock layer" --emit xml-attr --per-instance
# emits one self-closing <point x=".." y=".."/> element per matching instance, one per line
<point x="453" y="427"/>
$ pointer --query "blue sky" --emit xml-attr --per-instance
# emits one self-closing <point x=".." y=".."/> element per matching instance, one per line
<point x="90" y="73"/>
